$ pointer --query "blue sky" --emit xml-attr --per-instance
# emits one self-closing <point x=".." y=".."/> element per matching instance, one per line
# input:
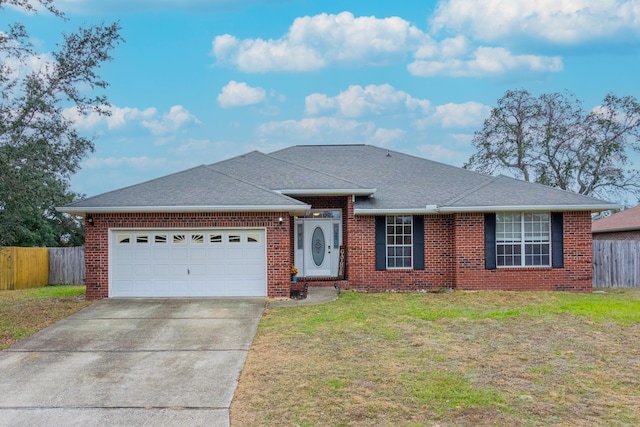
<point x="198" y="81"/>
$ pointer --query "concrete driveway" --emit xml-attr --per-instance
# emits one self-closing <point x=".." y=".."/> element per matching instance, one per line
<point x="133" y="362"/>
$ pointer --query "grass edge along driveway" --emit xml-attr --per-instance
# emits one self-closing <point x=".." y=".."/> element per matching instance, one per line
<point x="453" y="359"/>
<point x="26" y="311"/>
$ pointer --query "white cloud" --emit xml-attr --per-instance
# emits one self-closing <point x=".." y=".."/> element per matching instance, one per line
<point x="236" y="94"/>
<point x="175" y="119"/>
<point x="314" y="128"/>
<point x="314" y="42"/>
<point x="138" y="163"/>
<point x="439" y="153"/>
<point x="119" y="117"/>
<point x="193" y="145"/>
<point x="467" y="115"/>
<point x="14" y="69"/>
<point x="384" y="137"/>
<point x="358" y="101"/>
<point x="485" y="61"/>
<point x="567" y="22"/>
<point x="327" y="130"/>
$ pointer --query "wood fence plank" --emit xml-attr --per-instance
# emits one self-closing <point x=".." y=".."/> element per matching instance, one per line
<point x="616" y="263"/>
<point x="66" y="266"/>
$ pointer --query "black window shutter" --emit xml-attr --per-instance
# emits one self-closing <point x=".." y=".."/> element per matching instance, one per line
<point x="490" y="241"/>
<point x="557" y="240"/>
<point x="418" y="242"/>
<point x="381" y="243"/>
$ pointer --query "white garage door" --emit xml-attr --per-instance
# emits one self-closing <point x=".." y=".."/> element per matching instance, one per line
<point x="159" y="263"/>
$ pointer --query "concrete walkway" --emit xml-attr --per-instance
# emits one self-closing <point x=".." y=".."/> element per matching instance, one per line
<point x="131" y="362"/>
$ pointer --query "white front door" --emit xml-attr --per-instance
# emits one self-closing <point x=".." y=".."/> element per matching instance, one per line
<point x="317" y="257"/>
<point x="318" y="246"/>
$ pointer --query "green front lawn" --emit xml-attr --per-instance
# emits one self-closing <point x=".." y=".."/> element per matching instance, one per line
<point x="456" y="359"/>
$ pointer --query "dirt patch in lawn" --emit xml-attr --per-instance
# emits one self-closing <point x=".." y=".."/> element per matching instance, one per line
<point x="459" y="359"/>
<point x="25" y="312"/>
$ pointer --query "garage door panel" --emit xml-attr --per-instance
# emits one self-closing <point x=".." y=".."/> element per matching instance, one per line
<point x="161" y="254"/>
<point x="141" y="253"/>
<point x="142" y="270"/>
<point x="188" y="263"/>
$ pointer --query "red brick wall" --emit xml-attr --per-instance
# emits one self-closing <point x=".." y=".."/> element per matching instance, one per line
<point x="438" y="251"/>
<point x="454" y="257"/>
<point x="97" y="237"/>
<point x="454" y="251"/>
<point x="469" y="259"/>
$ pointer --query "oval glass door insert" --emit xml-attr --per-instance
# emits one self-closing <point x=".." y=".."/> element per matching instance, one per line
<point x="317" y="245"/>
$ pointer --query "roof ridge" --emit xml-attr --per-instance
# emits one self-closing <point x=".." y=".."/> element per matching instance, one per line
<point x="311" y="169"/>
<point x="472" y="190"/>
<point x="252" y="184"/>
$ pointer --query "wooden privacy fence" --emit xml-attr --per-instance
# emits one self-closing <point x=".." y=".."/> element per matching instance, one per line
<point x="616" y="263"/>
<point x="66" y="266"/>
<point x="22" y="268"/>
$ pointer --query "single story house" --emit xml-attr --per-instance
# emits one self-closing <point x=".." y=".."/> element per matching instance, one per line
<point x="624" y="225"/>
<point x="366" y="217"/>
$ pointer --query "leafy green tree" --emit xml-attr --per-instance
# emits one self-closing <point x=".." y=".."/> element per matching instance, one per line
<point x="39" y="148"/>
<point x="552" y="140"/>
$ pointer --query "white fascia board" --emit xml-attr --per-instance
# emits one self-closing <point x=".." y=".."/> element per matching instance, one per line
<point x="155" y="209"/>
<point x="408" y="211"/>
<point x="328" y="192"/>
<point x="532" y="208"/>
<point x="433" y="209"/>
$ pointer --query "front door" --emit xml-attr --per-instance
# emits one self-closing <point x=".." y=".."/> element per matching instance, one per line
<point x="317" y="257"/>
<point x="318" y="246"/>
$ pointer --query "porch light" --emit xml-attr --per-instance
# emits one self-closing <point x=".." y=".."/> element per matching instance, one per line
<point x="90" y="219"/>
<point x="280" y="220"/>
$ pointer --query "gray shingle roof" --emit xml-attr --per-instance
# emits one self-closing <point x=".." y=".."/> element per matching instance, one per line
<point x="412" y="183"/>
<point x="385" y="180"/>
<point x="199" y="187"/>
<point x="279" y="174"/>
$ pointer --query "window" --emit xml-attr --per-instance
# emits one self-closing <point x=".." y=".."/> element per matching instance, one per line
<point x="123" y="239"/>
<point x="215" y="238"/>
<point x="142" y="238"/>
<point x="523" y="239"/>
<point x="399" y="241"/>
<point x="253" y="238"/>
<point x="234" y="238"/>
<point x="197" y="238"/>
<point x="160" y="238"/>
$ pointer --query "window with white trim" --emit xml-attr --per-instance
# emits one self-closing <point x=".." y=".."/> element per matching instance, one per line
<point x="399" y="241"/>
<point x="523" y="239"/>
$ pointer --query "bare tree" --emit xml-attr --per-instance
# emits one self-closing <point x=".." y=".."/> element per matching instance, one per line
<point x="552" y="140"/>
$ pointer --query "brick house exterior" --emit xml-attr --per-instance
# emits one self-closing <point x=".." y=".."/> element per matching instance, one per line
<point x="449" y="238"/>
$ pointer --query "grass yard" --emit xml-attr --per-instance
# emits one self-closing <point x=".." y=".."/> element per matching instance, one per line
<point x="452" y="359"/>
<point x="24" y="312"/>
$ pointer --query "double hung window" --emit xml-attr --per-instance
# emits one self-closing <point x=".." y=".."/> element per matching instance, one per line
<point x="523" y="239"/>
<point x="399" y="241"/>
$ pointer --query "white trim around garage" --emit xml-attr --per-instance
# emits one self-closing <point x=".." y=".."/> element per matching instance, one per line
<point x="187" y="262"/>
